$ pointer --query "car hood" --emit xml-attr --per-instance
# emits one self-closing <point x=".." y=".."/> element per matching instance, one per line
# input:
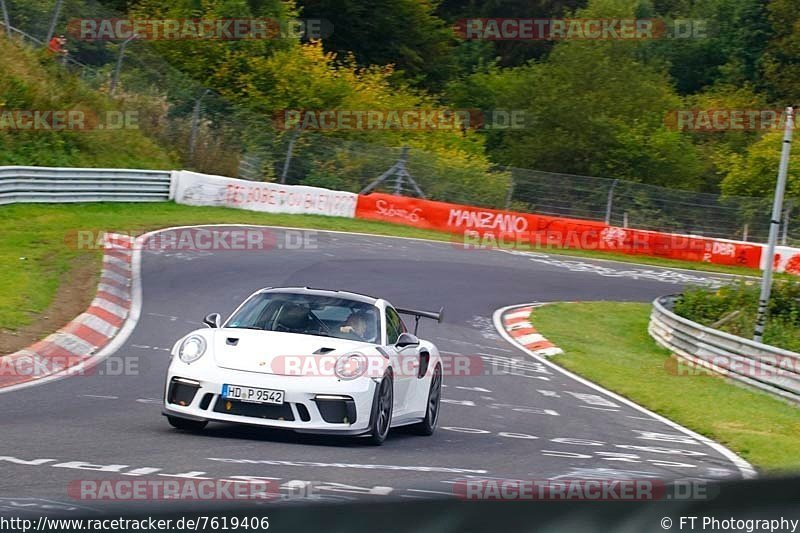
<point x="266" y="351"/>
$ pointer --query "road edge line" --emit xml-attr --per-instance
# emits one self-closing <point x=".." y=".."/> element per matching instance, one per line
<point x="747" y="470"/>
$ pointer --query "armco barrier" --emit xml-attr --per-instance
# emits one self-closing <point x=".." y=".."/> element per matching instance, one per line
<point x="475" y="226"/>
<point x="56" y="185"/>
<point x="759" y="365"/>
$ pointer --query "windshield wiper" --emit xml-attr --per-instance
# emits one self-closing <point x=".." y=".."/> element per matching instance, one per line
<point x="246" y="327"/>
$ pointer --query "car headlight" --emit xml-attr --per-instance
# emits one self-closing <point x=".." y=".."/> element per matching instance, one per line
<point x="192" y="349"/>
<point x="350" y="366"/>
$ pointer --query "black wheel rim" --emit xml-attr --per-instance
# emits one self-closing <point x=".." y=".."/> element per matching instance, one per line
<point x="384" y="407"/>
<point x="433" y="399"/>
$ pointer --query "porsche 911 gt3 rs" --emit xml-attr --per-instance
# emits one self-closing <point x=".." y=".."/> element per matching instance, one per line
<point x="309" y="360"/>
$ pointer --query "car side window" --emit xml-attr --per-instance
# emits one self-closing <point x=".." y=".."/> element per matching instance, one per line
<point x="394" y="326"/>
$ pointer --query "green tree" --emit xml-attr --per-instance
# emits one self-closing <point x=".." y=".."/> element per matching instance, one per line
<point x="754" y="173"/>
<point x="782" y="60"/>
<point x="404" y="33"/>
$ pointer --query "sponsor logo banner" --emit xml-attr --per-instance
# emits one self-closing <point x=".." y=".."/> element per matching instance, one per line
<point x="481" y="228"/>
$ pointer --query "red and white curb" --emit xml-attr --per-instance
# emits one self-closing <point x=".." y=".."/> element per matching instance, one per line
<point x="79" y="344"/>
<point x="517" y="324"/>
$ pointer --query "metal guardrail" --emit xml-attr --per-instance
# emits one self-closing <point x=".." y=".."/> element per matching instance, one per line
<point x="759" y="365"/>
<point x="61" y="185"/>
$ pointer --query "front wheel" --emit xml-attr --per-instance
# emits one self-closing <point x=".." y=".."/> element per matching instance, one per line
<point x="186" y="424"/>
<point x="381" y="419"/>
<point x="428" y="424"/>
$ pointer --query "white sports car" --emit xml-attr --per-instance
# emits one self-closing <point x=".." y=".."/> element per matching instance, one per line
<point x="310" y="360"/>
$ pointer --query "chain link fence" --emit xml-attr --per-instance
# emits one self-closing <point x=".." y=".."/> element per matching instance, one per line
<point x="210" y="134"/>
<point x="637" y="205"/>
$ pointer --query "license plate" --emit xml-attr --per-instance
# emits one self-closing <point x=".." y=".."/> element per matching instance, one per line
<point x="252" y="394"/>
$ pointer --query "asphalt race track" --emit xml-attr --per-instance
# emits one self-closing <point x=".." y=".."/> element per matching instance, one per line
<point x="528" y="423"/>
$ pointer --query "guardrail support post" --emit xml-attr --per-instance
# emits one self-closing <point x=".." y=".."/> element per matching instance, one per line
<point x="118" y="67"/>
<point x="53" y="21"/>
<point x="786" y="215"/>
<point x="774" y="225"/>
<point x="289" y="151"/>
<point x="195" y="125"/>
<point x="610" y="202"/>
<point x="509" y="193"/>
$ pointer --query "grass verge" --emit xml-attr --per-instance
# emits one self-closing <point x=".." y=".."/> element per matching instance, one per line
<point x="621" y="356"/>
<point x="35" y="256"/>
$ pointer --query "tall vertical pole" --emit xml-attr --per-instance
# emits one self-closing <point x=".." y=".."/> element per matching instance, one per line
<point x="774" y="226"/>
<point x="53" y="21"/>
<point x="6" y="20"/>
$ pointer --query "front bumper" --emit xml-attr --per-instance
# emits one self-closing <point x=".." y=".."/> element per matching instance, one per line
<point x="311" y="404"/>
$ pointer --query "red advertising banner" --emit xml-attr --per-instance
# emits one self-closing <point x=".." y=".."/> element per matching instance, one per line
<point x="476" y="227"/>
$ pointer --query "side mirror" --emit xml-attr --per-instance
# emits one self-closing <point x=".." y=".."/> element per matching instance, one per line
<point x="213" y="320"/>
<point x="405" y="340"/>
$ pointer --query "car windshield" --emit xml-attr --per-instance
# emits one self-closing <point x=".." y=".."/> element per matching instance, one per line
<point x="308" y="314"/>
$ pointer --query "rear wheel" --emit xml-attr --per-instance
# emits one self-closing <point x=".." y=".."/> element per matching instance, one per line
<point x="381" y="419"/>
<point x="428" y="424"/>
<point x="186" y="424"/>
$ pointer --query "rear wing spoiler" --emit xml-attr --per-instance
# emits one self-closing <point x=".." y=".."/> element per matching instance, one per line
<point x="421" y="314"/>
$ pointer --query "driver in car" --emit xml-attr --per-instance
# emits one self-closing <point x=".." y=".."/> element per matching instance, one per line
<point x="355" y="324"/>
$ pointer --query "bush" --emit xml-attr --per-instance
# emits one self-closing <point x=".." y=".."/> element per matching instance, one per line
<point x="783" y="322"/>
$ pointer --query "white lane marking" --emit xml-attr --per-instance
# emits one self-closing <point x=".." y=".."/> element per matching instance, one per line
<point x="593" y="399"/>
<point x="747" y="470"/>
<point x="431" y="492"/>
<point x="146" y="347"/>
<point x="654" y="273"/>
<point x="467" y="403"/>
<point x="467" y="430"/>
<point x="472" y="389"/>
<point x="378" y="239"/>
<point x="599" y="408"/>
<point x="665" y="437"/>
<point x="315" y="464"/>
<point x="41" y="505"/>
<point x="100" y="396"/>
<point x="159" y="315"/>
